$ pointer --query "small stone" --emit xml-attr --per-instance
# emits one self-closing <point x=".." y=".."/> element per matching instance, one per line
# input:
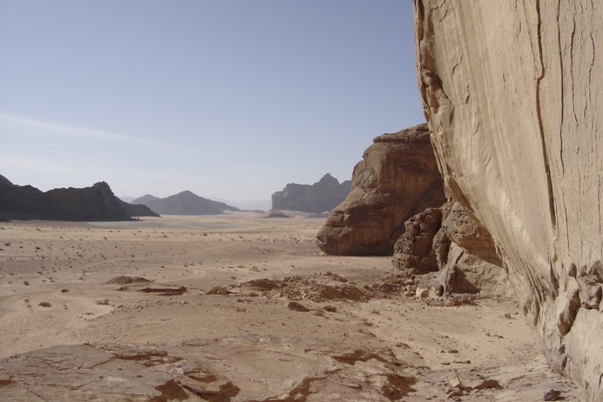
<point x="295" y="306"/>
<point x="553" y="395"/>
<point x="487" y="384"/>
<point x="454" y="380"/>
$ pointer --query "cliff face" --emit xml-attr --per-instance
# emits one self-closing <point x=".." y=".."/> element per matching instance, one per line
<point x="96" y="203"/>
<point x="397" y="178"/>
<point x="512" y="92"/>
<point x="319" y="197"/>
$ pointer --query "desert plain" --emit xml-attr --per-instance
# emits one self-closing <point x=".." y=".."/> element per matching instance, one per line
<point x="239" y="307"/>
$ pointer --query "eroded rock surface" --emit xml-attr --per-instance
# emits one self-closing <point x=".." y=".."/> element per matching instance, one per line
<point x="396" y="179"/>
<point x="513" y="103"/>
<point x="414" y="252"/>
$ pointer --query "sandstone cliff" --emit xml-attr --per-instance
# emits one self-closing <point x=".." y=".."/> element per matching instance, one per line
<point x="96" y="203"/>
<point x="321" y="196"/>
<point x="397" y="178"/>
<point x="512" y="92"/>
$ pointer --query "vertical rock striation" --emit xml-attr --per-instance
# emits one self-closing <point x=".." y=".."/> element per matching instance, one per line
<point x="513" y="95"/>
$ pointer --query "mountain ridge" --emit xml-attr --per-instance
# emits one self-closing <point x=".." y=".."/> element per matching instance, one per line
<point x="184" y="203"/>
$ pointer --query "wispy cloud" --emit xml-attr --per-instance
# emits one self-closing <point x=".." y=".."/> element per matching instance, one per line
<point x="8" y="122"/>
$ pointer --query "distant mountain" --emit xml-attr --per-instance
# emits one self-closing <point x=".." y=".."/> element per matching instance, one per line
<point x="4" y="181"/>
<point x="184" y="203"/>
<point x="137" y="209"/>
<point x="144" y="199"/>
<point x="126" y="199"/>
<point x="247" y="205"/>
<point x="319" y="197"/>
<point x="96" y="203"/>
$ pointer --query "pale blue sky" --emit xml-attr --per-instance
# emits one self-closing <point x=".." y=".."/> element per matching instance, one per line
<point x="228" y="99"/>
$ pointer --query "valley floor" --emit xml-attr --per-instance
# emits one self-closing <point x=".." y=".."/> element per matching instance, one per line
<point x="241" y="308"/>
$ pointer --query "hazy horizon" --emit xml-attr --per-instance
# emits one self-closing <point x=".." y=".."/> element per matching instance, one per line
<point x="231" y="100"/>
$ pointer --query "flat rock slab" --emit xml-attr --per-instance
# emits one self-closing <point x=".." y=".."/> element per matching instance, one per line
<point x="81" y="373"/>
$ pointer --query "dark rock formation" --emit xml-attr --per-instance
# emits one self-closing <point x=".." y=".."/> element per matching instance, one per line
<point x="515" y="114"/>
<point x="397" y="178"/>
<point x="137" y="209"/>
<point x="96" y="203"/>
<point x="319" y="197"/>
<point x="4" y="181"/>
<point x="184" y="203"/>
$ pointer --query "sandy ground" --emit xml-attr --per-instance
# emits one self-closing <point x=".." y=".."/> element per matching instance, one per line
<point x="220" y="292"/>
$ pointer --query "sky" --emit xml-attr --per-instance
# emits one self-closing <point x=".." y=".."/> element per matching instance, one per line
<point x="230" y="99"/>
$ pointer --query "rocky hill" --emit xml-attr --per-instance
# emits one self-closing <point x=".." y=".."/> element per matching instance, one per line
<point x="96" y="203"/>
<point x="136" y="210"/>
<point x="321" y="196"/>
<point x="144" y="199"/>
<point x="515" y="113"/>
<point x="184" y="203"/>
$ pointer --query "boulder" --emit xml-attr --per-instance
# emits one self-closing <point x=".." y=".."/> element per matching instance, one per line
<point x="414" y="252"/>
<point x="513" y="101"/>
<point x="397" y="178"/>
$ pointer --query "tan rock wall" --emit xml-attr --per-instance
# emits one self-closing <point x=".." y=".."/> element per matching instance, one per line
<point x="513" y="94"/>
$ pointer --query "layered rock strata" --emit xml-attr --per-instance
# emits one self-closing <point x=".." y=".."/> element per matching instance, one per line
<point x="319" y="197"/>
<point x="512" y="96"/>
<point x="397" y="178"/>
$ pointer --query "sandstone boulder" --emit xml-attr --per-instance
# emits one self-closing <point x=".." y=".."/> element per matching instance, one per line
<point x="414" y="252"/>
<point x="397" y="178"/>
<point x="513" y="101"/>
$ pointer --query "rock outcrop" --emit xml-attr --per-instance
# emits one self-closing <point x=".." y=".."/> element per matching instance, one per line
<point x="321" y="196"/>
<point x="513" y="100"/>
<point x="96" y="203"/>
<point x="415" y="248"/>
<point x="397" y="178"/>
<point x="137" y="209"/>
<point x="447" y="240"/>
<point x="184" y="203"/>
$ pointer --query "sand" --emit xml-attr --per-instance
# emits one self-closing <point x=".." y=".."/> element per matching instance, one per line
<point x="362" y="334"/>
